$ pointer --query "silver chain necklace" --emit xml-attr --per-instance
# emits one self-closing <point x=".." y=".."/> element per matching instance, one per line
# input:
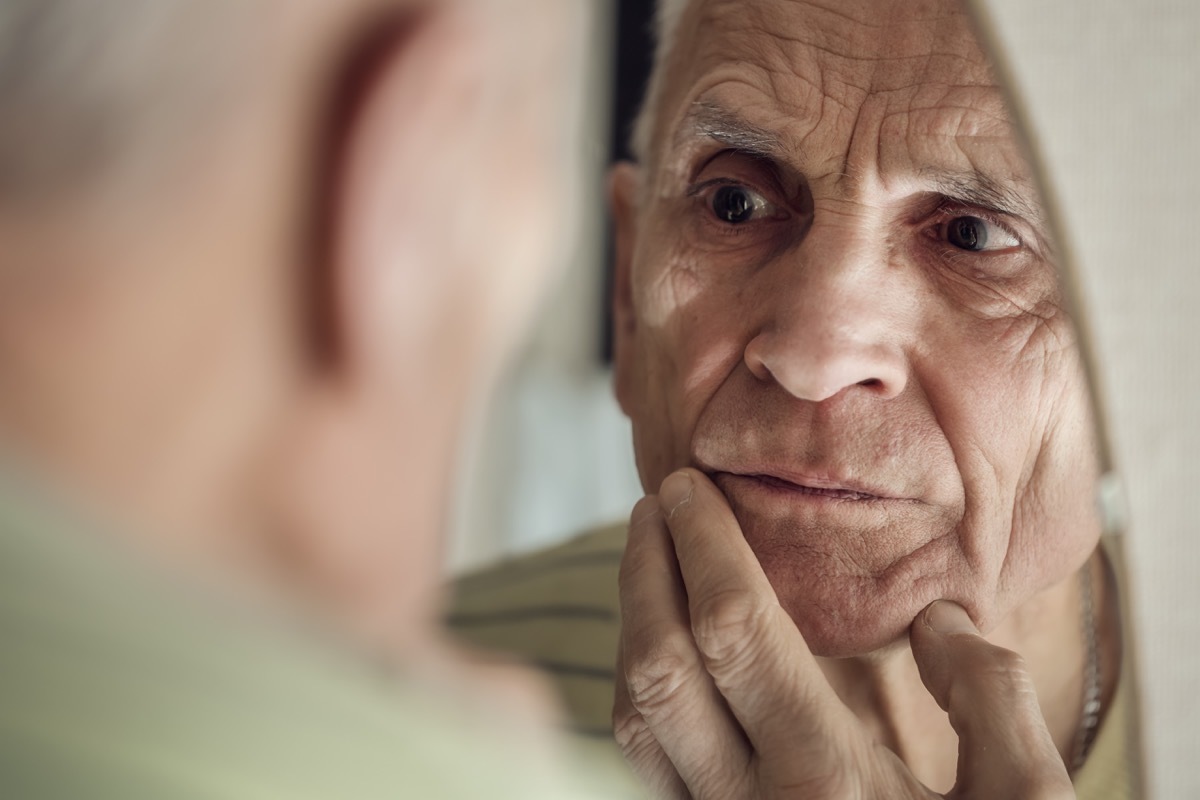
<point x="1090" y="721"/>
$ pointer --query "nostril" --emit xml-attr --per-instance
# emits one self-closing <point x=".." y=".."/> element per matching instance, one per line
<point x="871" y="383"/>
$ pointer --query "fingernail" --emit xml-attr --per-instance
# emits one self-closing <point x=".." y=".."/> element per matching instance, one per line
<point x="946" y="617"/>
<point x="675" y="491"/>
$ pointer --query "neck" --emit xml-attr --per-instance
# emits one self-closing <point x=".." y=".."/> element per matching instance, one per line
<point x="885" y="691"/>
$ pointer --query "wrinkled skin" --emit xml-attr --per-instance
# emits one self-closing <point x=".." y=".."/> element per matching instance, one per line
<point x="894" y="418"/>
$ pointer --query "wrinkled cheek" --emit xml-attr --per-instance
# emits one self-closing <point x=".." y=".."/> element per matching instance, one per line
<point x="688" y="348"/>
<point x="984" y="396"/>
<point x="1023" y="441"/>
<point x="1056" y="523"/>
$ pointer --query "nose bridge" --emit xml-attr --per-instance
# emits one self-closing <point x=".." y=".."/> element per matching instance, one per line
<point x="831" y="320"/>
<point x="842" y="274"/>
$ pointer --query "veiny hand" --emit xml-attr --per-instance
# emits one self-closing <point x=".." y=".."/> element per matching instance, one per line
<point x="718" y="696"/>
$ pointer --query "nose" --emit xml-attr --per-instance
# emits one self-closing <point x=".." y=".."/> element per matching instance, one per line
<point x="836" y="315"/>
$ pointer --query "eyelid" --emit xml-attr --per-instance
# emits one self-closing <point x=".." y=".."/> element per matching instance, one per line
<point x="769" y="197"/>
<point x="768" y="168"/>
<point x="698" y="189"/>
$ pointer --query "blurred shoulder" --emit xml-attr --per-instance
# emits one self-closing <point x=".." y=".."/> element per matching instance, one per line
<point x="555" y="609"/>
<point x="584" y="568"/>
<point x="124" y="679"/>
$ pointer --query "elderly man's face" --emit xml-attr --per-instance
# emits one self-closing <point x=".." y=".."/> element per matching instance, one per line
<point x="837" y="298"/>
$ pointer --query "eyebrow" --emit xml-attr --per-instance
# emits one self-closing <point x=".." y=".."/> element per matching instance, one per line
<point x="972" y="187"/>
<point x="708" y="120"/>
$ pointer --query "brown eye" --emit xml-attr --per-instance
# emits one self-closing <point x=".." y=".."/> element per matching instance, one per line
<point x="735" y="204"/>
<point x="975" y="235"/>
<point x="967" y="233"/>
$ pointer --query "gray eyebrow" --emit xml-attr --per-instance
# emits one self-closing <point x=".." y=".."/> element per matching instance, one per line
<point x="972" y="187"/>
<point x="710" y="121"/>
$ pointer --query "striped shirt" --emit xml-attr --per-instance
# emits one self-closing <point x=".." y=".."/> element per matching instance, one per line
<point x="558" y="609"/>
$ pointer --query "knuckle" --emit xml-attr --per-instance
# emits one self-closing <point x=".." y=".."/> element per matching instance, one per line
<point x="834" y="783"/>
<point x="1007" y="672"/>
<point x="1008" y="663"/>
<point x="728" y="628"/>
<point x="992" y="672"/>
<point x="657" y="677"/>
<point x="633" y="735"/>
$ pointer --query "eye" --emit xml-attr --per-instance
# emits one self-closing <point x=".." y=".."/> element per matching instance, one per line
<point x="736" y="205"/>
<point x="975" y="234"/>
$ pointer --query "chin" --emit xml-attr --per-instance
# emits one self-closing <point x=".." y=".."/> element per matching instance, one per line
<point x="841" y="607"/>
<point x="847" y="628"/>
<point x="841" y="614"/>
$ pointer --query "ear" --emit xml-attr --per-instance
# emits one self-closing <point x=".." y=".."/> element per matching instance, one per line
<point x="623" y="186"/>
<point x="365" y="463"/>
<point x="396" y="187"/>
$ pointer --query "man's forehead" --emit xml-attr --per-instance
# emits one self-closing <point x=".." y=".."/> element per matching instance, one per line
<point x="900" y="89"/>
<point x="883" y="40"/>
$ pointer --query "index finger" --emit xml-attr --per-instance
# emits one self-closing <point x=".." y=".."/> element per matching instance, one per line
<point x="668" y="718"/>
<point x="757" y="657"/>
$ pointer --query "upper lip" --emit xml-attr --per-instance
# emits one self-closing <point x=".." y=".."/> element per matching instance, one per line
<point x="813" y="479"/>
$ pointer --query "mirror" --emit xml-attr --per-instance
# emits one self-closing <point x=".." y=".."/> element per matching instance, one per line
<point x="1110" y="497"/>
<point x="1112" y="95"/>
<point x="837" y="294"/>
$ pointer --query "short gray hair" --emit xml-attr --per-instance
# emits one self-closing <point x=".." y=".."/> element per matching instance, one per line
<point x="84" y="83"/>
<point x="667" y="17"/>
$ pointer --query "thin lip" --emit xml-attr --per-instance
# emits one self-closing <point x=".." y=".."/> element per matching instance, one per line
<point x="807" y="480"/>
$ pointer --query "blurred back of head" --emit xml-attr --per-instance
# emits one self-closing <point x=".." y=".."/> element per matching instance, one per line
<point x="78" y="96"/>
<point x="258" y="260"/>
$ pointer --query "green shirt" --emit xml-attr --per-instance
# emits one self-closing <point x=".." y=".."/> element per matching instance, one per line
<point x="118" y="684"/>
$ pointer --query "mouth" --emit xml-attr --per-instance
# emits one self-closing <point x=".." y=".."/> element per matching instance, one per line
<point x="832" y="492"/>
<point x="801" y="487"/>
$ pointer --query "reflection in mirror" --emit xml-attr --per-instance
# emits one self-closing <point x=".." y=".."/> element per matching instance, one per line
<point x="836" y="299"/>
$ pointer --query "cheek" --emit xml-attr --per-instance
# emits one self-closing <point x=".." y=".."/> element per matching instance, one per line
<point x="1009" y="396"/>
<point x="688" y="341"/>
<point x="1055" y="521"/>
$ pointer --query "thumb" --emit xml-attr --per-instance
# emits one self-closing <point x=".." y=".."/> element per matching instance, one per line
<point x="1004" y="747"/>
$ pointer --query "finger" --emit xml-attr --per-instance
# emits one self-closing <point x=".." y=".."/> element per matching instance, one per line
<point x="640" y="749"/>
<point x="1005" y="749"/>
<point x="757" y="657"/>
<point x="667" y="695"/>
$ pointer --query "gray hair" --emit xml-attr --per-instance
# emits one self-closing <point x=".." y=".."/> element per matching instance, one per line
<point x="86" y="83"/>
<point x="667" y="18"/>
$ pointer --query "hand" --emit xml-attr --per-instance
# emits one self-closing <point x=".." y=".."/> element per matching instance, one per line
<point x="718" y="696"/>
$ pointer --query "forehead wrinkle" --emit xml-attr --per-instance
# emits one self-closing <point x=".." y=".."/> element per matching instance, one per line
<point x="803" y="57"/>
<point x="840" y="30"/>
<point x="866" y="49"/>
<point x="818" y="76"/>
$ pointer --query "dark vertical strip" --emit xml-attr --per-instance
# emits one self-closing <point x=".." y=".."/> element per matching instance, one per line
<point x="635" y="52"/>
